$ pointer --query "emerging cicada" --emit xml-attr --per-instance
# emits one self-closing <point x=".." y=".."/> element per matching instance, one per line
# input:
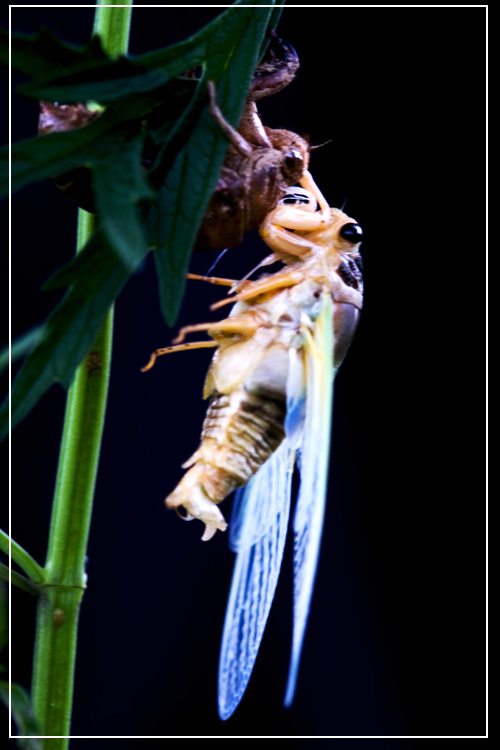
<point x="270" y="386"/>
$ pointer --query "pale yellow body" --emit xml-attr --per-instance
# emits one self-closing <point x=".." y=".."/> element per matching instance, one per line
<point x="247" y="380"/>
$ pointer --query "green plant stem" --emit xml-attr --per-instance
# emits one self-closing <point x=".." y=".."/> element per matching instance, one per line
<point x="32" y="569"/>
<point x="65" y="578"/>
<point x="112" y="26"/>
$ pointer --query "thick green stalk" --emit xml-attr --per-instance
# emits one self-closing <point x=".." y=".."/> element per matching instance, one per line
<point x="113" y="26"/>
<point x="62" y="590"/>
<point x="64" y="573"/>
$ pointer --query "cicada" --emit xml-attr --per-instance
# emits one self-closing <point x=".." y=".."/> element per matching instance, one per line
<point x="270" y="387"/>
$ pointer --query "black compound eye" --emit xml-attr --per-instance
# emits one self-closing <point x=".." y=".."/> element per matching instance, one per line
<point x="352" y="233"/>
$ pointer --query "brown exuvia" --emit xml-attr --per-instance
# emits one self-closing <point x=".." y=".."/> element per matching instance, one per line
<point x="260" y="164"/>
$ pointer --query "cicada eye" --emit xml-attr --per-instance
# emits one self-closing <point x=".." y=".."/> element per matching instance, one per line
<point x="352" y="233"/>
<point x="293" y="164"/>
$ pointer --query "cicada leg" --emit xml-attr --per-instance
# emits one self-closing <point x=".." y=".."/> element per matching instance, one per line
<point x="237" y="140"/>
<point x="245" y="324"/>
<point x="212" y="279"/>
<point x="239" y="324"/>
<point x="269" y="284"/>
<point x="308" y="183"/>
<point x="281" y="240"/>
<point x="227" y="282"/>
<point x="170" y="349"/>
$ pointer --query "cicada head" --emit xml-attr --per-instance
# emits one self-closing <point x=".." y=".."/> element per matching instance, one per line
<point x="343" y="235"/>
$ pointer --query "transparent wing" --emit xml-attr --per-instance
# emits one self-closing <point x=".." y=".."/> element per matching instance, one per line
<point x="256" y="505"/>
<point x="314" y="459"/>
<point x="255" y="575"/>
<point x="237" y="517"/>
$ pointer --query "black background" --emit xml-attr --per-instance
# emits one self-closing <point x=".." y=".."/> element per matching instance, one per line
<point x="395" y="642"/>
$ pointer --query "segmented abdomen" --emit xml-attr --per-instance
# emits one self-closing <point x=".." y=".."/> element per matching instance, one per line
<point x="241" y="430"/>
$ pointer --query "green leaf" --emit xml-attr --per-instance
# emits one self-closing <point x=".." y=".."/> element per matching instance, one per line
<point x="57" y="67"/>
<point x="119" y="185"/>
<point x="173" y="95"/>
<point x="43" y="52"/>
<point x="42" y="157"/>
<point x="96" y="276"/>
<point x="39" y="158"/>
<point x="22" y="713"/>
<point x="118" y="180"/>
<point x="101" y="79"/>
<point x="174" y="221"/>
<point x="4" y="620"/>
<point x="104" y="82"/>
<point x="21" y="347"/>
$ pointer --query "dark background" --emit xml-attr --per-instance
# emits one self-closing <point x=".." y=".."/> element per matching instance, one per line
<point x="396" y="636"/>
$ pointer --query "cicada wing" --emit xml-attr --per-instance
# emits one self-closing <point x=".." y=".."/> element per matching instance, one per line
<point x="255" y="506"/>
<point x="255" y="576"/>
<point x="314" y="460"/>
<point x="237" y="517"/>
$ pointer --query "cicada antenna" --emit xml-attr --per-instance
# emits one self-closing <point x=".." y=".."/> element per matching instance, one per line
<point x="216" y="261"/>
<point x="320" y="145"/>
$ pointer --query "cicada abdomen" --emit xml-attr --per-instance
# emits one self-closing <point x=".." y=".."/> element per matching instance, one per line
<point x="270" y="391"/>
<point x="244" y="425"/>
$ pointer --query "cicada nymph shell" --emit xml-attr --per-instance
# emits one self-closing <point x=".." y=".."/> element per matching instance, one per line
<point x="261" y="162"/>
<point x="258" y="369"/>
